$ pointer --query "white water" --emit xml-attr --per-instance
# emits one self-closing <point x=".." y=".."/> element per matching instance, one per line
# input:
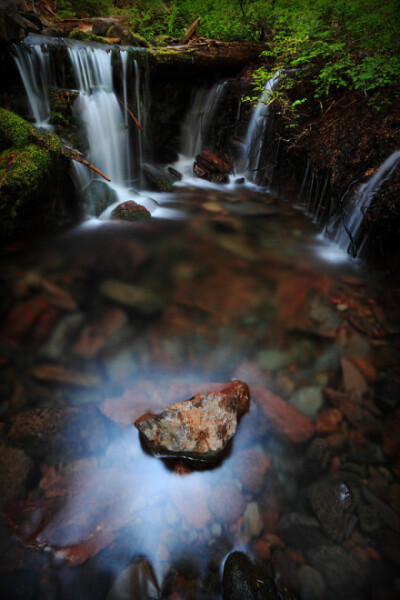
<point x="34" y="69"/>
<point x="253" y="144"/>
<point x="356" y="210"/>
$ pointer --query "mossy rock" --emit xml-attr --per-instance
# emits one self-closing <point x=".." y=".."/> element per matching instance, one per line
<point x="32" y="164"/>
<point x="137" y="40"/>
<point x="157" y="179"/>
<point x="160" y="41"/>
<point x="130" y="211"/>
<point x="99" y="196"/>
<point x="14" y="131"/>
<point x="83" y="36"/>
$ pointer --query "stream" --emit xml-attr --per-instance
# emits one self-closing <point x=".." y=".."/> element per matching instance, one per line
<point x="109" y="320"/>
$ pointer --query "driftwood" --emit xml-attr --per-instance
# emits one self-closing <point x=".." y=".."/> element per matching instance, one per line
<point x="122" y="103"/>
<point x="190" y="32"/>
<point x="76" y="155"/>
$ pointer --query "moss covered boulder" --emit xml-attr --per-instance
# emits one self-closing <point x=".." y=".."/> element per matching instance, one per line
<point x="32" y="168"/>
<point x="130" y="211"/>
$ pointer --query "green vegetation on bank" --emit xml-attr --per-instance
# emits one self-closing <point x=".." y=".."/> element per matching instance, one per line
<point x="353" y="44"/>
<point x="30" y="161"/>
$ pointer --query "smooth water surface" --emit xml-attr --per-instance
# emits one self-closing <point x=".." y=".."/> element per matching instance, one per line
<point x="107" y="322"/>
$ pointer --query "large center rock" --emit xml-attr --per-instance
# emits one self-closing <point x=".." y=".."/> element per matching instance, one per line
<point x="198" y="428"/>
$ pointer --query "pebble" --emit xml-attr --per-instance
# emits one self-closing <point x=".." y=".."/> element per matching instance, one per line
<point x="142" y="299"/>
<point x="252" y="520"/>
<point x="312" y="584"/>
<point x="308" y="400"/>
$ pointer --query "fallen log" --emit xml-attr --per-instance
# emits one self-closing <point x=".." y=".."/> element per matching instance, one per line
<point x="76" y="155"/>
<point x="191" y="31"/>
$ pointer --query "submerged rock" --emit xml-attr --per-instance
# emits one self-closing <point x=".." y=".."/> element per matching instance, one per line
<point x="243" y="580"/>
<point x="198" y="428"/>
<point x="137" y="582"/>
<point x="130" y="211"/>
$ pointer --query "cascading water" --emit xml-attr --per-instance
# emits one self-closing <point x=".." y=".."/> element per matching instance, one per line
<point x="252" y="154"/>
<point x="196" y="125"/>
<point x="34" y="68"/>
<point x="348" y="230"/>
<point x="112" y="143"/>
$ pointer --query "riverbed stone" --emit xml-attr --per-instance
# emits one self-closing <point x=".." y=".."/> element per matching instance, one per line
<point x="308" y="400"/>
<point x="251" y="468"/>
<point x="198" y="428"/>
<point x="227" y="503"/>
<point x="252" y="520"/>
<point x="311" y="582"/>
<point x="15" y="467"/>
<point x="245" y="580"/>
<point x="136" y="582"/>
<point x="289" y="422"/>
<point x="130" y="211"/>
<point x="142" y="299"/>
<point x="301" y="531"/>
<point x="345" y="576"/>
<point x="333" y="503"/>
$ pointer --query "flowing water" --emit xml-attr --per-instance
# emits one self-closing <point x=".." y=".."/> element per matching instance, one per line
<point x="104" y="323"/>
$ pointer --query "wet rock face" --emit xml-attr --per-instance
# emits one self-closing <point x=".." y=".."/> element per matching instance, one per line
<point x="199" y="428"/>
<point x="209" y="166"/>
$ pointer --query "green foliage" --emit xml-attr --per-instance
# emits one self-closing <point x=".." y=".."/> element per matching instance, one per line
<point x="353" y="45"/>
<point x="69" y="9"/>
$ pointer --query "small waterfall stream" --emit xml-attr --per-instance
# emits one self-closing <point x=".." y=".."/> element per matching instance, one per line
<point x="103" y="325"/>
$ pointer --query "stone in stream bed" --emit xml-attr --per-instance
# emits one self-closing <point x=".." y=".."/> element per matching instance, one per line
<point x="245" y="580"/>
<point x="130" y="211"/>
<point x="198" y="428"/>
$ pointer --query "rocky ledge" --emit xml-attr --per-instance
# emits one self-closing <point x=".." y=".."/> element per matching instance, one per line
<point x="199" y="428"/>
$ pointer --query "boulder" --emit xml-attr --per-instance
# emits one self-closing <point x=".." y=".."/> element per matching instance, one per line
<point x="130" y="211"/>
<point x="198" y="428"/>
<point x="211" y="167"/>
<point x="101" y="27"/>
<point x="157" y="178"/>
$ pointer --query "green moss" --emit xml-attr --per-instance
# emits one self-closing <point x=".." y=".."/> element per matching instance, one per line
<point x="23" y="174"/>
<point x="160" y="40"/>
<point x="30" y="163"/>
<point x="77" y="34"/>
<point x="14" y="131"/>
<point x="130" y="211"/>
<point x="140" y="41"/>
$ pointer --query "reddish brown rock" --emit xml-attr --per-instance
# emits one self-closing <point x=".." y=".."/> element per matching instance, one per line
<point x="355" y="413"/>
<point x="328" y="421"/>
<point x="227" y="503"/>
<point x="211" y="167"/>
<point x="353" y="379"/>
<point x="289" y="422"/>
<point x="95" y="336"/>
<point x="251" y="468"/>
<point x="193" y="507"/>
<point x="56" y="373"/>
<point x="198" y="428"/>
<point x="15" y="467"/>
<point x="130" y="211"/>
<point x="34" y="316"/>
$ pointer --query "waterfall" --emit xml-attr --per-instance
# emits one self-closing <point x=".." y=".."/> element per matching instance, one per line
<point x="252" y="154"/>
<point x="33" y="64"/>
<point x="348" y="234"/>
<point x="112" y="140"/>
<point x="197" y="125"/>
<point x="97" y="106"/>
